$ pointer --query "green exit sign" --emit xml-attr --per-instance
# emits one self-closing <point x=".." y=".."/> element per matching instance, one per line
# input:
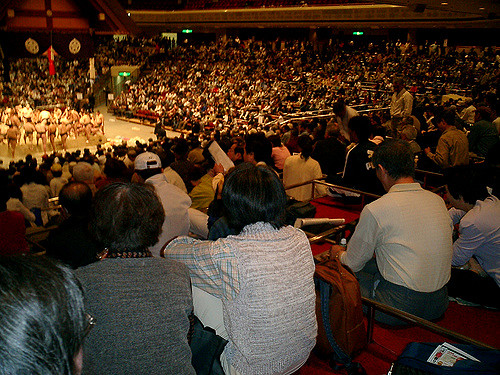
<point x="357" y="33"/>
<point x="124" y="74"/>
<point x="187" y="31"/>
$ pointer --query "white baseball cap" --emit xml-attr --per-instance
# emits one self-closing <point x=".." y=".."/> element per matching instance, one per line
<point x="147" y="160"/>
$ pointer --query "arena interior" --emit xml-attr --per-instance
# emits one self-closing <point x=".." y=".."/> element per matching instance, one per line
<point x="100" y="100"/>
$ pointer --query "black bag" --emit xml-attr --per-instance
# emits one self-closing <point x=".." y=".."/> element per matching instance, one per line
<point x="413" y="361"/>
<point x="206" y="348"/>
<point x="298" y="210"/>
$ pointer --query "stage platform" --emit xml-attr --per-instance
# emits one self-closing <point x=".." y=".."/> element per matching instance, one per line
<point x="116" y="129"/>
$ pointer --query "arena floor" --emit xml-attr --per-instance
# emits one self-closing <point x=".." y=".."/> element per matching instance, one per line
<point x="115" y="131"/>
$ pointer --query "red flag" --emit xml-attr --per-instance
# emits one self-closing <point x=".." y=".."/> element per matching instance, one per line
<point x="52" y="67"/>
<point x="50" y="53"/>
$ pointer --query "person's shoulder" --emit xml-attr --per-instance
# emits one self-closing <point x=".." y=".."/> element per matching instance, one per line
<point x="292" y="159"/>
<point x="172" y="267"/>
<point x="487" y="208"/>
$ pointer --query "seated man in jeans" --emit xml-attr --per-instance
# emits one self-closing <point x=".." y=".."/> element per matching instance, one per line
<point x="409" y="232"/>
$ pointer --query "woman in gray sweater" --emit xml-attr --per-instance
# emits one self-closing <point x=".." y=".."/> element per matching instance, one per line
<point x="140" y="304"/>
<point x="255" y="288"/>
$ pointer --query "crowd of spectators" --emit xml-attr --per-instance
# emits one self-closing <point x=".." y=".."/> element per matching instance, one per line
<point x="229" y="93"/>
<point x="238" y="83"/>
<point x="30" y="82"/>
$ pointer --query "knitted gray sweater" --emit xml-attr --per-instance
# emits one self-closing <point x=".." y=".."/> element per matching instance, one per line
<point x="272" y="322"/>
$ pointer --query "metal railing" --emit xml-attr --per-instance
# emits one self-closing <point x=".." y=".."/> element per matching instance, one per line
<point x="308" y="115"/>
<point x="412" y="319"/>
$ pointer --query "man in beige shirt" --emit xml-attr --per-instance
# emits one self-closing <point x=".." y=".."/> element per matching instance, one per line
<point x="453" y="147"/>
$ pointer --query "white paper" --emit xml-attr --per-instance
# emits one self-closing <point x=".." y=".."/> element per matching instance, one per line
<point x="220" y="156"/>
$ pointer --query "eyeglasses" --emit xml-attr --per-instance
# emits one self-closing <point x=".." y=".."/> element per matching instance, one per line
<point x="90" y="324"/>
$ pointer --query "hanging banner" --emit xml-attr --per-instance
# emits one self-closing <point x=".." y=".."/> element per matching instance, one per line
<point x="50" y="53"/>
<point x="32" y="44"/>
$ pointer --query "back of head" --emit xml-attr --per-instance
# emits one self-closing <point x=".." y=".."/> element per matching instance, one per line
<point x="306" y="146"/>
<point x="398" y="81"/>
<point x="253" y="194"/>
<point x="29" y="174"/>
<point x="76" y="198"/>
<point x="446" y="115"/>
<point x="83" y="172"/>
<point x="409" y="132"/>
<point x="42" y="319"/>
<point x="147" y="164"/>
<point x="396" y="157"/>
<point x="126" y="217"/>
<point x="131" y="153"/>
<point x="181" y="148"/>
<point x="485" y="113"/>
<point x="114" y="168"/>
<point x="275" y="140"/>
<point x="338" y="107"/>
<point x="56" y="170"/>
<point x="361" y="126"/>
<point x="332" y="131"/>
<point x="260" y="146"/>
<point x="468" y="182"/>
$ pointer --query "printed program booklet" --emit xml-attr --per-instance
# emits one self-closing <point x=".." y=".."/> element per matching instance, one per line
<point x="447" y="355"/>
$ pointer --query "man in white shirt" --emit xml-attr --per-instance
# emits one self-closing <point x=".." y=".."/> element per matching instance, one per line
<point x="175" y="202"/>
<point x="401" y="106"/>
<point x="476" y="251"/>
<point x="409" y="232"/>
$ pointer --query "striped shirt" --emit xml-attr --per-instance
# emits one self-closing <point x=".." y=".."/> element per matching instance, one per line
<point x="213" y="266"/>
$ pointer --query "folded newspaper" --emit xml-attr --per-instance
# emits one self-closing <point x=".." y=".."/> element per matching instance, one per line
<point x="447" y="355"/>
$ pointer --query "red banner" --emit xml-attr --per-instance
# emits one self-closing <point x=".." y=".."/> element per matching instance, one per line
<point x="50" y="55"/>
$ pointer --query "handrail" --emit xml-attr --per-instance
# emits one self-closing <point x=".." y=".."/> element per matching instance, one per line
<point x="39" y="230"/>
<point x="43" y="249"/>
<point x="313" y="238"/>
<point x="430" y="173"/>
<point x="308" y="114"/>
<point x="304" y="183"/>
<point x="410" y="318"/>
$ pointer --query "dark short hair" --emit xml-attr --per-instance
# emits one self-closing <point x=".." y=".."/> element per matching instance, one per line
<point x="114" y="168"/>
<point x="467" y="182"/>
<point x="448" y="115"/>
<point x="396" y="157"/>
<point x="252" y="194"/>
<point x="338" y="106"/>
<point x="126" y="217"/>
<point x="76" y="198"/>
<point x="260" y="146"/>
<point x="42" y="318"/>
<point x="275" y="140"/>
<point x="306" y="146"/>
<point x="362" y="126"/>
<point x="485" y="113"/>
